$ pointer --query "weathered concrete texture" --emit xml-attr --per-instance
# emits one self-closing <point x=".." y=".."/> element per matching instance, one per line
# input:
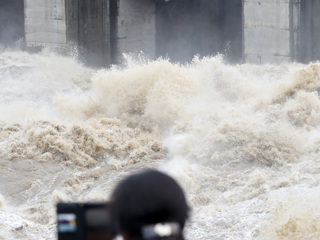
<point x="88" y="27"/>
<point x="45" y="23"/>
<point x="72" y="20"/>
<point x="267" y="31"/>
<point x="136" y="27"/>
<point x="106" y="34"/>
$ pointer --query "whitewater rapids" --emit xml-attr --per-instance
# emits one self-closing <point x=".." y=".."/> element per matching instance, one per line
<point x="242" y="140"/>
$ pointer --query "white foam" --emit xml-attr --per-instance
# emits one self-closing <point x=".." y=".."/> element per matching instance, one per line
<point x="242" y="140"/>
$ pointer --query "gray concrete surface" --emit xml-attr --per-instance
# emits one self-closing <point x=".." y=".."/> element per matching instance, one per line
<point x="45" y="23"/>
<point x="136" y="27"/>
<point x="270" y="31"/>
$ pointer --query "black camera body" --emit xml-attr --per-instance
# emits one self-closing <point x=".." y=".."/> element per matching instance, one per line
<point x="84" y="221"/>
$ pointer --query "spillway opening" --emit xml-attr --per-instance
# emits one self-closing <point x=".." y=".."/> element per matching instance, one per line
<point x="12" y="22"/>
<point x="310" y="31"/>
<point x="202" y="27"/>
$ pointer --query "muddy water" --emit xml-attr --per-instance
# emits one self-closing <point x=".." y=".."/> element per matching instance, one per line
<point x="243" y="141"/>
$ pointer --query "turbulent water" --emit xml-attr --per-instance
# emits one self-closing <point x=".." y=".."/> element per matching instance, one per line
<point x="243" y="141"/>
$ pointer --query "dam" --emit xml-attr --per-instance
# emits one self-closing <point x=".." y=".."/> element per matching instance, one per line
<point x="252" y="31"/>
<point x="238" y="128"/>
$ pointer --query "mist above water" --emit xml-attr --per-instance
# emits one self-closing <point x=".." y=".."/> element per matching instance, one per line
<point x="243" y="141"/>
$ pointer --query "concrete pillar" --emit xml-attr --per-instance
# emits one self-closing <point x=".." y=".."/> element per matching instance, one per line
<point x="270" y="30"/>
<point x="56" y="23"/>
<point x="45" y="23"/>
<point x="91" y="32"/>
<point x="135" y="27"/>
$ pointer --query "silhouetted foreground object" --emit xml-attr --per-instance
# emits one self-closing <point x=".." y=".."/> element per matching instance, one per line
<point x="84" y="221"/>
<point x="149" y="205"/>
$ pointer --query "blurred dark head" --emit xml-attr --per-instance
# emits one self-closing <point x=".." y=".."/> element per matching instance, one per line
<point x="146" y="199"/>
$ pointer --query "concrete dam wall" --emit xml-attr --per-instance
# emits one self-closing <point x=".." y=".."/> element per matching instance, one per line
<point x="268" y="31"/>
